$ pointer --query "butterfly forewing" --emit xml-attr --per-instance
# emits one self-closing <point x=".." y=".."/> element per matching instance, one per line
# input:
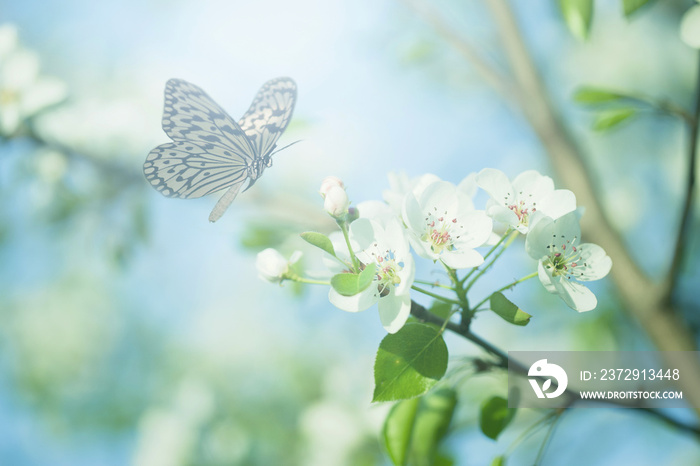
<point x="269" y="114"/>
<point x="190" y="114"/>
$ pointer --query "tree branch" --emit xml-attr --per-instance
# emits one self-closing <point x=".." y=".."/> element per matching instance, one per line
<point x="488" y="73"/>
<point x="683" y="227"/>
<point x="503" y="362"/>
<point x="644" y="299"/>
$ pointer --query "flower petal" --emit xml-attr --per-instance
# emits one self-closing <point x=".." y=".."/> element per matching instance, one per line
<point x="355" y="303"/>
<point x="557" y="203"/>
<point x="412" y="215"/>
<point x="496" y="184"/>
<point x="594" y="263"/>
<point x="690" y="27"/>
<point x="462" y="258"/>
<point x="440" y="197"/>
<point x="394" y="311"/>
<point x="540" y="238"/>
<point x="532" y="186"/>
<point x="575" y="295"/>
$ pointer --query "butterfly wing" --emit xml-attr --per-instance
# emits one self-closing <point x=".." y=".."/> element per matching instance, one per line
<point x="188" y="169"/>
<point x="269" y="114"/>
<point x="209" y="151"/>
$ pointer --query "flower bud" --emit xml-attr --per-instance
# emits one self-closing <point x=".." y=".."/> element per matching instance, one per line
<point x="328" y="183"/>
<point x="336" y="202"/>
<point x="272" y="266"/>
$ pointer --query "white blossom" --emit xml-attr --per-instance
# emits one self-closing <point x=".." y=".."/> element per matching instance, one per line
<point x="563" y="260"/>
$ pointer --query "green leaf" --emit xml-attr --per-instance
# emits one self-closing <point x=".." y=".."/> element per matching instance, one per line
<point x="592" y="96"/>
<point x="433" y="419"/>
<point x="608" y="119"/>
<point x="349" y="284"/>
<point x="441" y="309"/>
<point x="398" y="428"/>
<point x="508" y="311"/>
<point x="414" y="428"/>
<point x="495" y="416"/>
<point x="499" y="461"/>
<point x="409" y="363"/>
<point x="630" y="6"/>
<point x="319" y="240"/>
<point x="578" y="15"/>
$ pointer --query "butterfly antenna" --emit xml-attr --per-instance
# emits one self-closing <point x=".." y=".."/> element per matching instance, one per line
<point x="285" y="147"/>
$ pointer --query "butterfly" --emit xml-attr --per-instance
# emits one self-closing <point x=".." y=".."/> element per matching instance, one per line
<point x="210" y="150"/>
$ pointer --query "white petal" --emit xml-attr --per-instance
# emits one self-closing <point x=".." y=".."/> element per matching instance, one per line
<point x="546" y="278"/>
<point x="502" y="214"/>
<point x="394" y="238"/>
<point x="421" y="247"/>
<point x="423" y="182"/>
<point x="413" y="216"/>
<point x="531" y="186"/>
<point x="576" y="295"/>
<point x="439" y="197"/>
<point x="690" y="27"/>
<point x="355" y="303"/>
<point x="557" y="203"/>
<point x="44" y="92"/>
<point x="462" y="258"/>
<point x="8" y="39"/>
<point x="497" y="185"/>
<point x="407" y="274"/>
<point x="375" y="210"/>
<point x="9" y="118"/>
<point x="468" y="185"/>
<point x="477" y="229"/>
<point x="20" y="69"/>
<point x="394" y="311"/>
<point x="594" y="263"/>
<point x="539" y="238"/>
<point x="362" y="231"/>
<point x="568" y="226"/>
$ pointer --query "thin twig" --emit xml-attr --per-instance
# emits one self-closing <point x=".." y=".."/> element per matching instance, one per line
<point x="485" y="69"/>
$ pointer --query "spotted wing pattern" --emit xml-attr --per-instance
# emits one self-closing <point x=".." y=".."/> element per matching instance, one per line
<point x="269" y="114"/>
<point x="210" y="151"/>
<point x="187" y="169"/>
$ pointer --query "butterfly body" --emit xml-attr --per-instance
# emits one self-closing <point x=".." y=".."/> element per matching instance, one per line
<point x="210" y="150"/>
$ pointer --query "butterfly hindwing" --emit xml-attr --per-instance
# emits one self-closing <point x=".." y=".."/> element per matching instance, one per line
<point x="269" y="114"/>
<point x="188" y="169"/>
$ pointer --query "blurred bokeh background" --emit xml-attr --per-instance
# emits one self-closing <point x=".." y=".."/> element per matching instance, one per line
<point x="132" y="331"/>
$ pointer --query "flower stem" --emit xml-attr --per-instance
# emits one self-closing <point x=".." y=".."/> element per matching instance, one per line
<point x="436" y="296"/>
<point x="493" y="248"/>
<point x="355" y="262"/>
<point x="439" y="285"/>
<point x="309" y="281"/>
<point x="509" y="285"/>
<point x="514" y="234"/>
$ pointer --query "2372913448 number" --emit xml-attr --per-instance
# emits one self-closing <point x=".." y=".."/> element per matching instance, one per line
<point x="637" y="374"/>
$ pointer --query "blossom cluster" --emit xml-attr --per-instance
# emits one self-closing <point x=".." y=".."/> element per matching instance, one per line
<point x="371" y="259"/>
<point x="23" y="91"/>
